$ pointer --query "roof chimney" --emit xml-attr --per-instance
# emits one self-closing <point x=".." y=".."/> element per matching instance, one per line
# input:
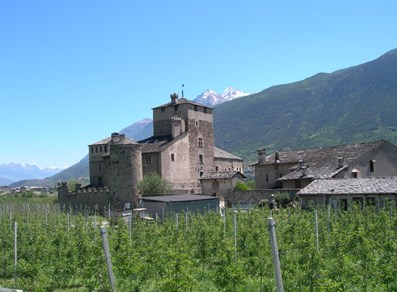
<point x="174" y="98"/>
<point x="276" y="157"/>
<point x="340" y="162"/>
<point x="261" y="155"/>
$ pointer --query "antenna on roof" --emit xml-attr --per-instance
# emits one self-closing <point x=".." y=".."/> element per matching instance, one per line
<point x="183" y="85"/>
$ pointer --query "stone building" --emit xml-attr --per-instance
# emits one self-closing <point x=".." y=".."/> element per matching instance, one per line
<point x="297" y="169"/>
<point x="181" y="150"/>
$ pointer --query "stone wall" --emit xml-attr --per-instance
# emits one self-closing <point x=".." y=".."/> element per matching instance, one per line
<point x="84" y="198"/>
<point x="254" y="196"/>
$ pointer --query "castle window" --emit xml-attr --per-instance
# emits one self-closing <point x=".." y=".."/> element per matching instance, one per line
<point x="100" y="148"/>
<point x="175" y="107"/>
<point x="216" y="168"/>
<point x="201" y="158"/>
<point x="162" y="108"/>
<point x="172" y="157"/>
<point x="195" y="108"/>
<point x="201" y="173"/>
<point x="92" y="150"/>
<point x="372" y="165"/>
<point x="205" y="110"/>
<point x="106" y="148"/>
<point x="96" y="149"/>
<point x="148" y="160"/>
<point x="200" y="142"/>
<point x="267" y="177"/>
<point x="196" y="123"/>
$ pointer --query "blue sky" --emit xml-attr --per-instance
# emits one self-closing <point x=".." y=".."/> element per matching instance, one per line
<point x="72" y="72"/>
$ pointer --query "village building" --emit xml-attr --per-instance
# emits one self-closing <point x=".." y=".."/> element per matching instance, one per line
<point x="181" y="151"/>
<point x="220" y="183"/>
<point x="297" y="169"/>
<point x="345" y="192"/>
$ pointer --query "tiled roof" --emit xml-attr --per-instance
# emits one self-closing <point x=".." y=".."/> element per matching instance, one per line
<point x="221" y="175"/>
<point x="177" y="198"/>
<point x="181" y="101"/>
<point x="153" y="144"/>
<point x="315" y="172"/>
<point x="375" y="185"/>
<point x="219" y="153"/>
<point x="325" y="156"/>
<point x="103" y="141"/>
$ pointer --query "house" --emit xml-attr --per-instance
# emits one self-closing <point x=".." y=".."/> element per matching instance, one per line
<point x="297" y="169"/>
<point x="220" y="183"/>
<point x="161" y="205"/>
<point x="343" y="192"/>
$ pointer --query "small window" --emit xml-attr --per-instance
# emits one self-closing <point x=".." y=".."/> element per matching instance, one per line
<point x="195" y="108"/>
<point x="106" y="148"/>
<point x="216" y="168"/>
<point x="92" y="150"/>
<point x="200" y="142"/>
<point x="148" y="160"/>
<point x="201" y="159"/>
<point x="172" y="157"/>
<point x="267" y="177"/>
<point x="201" y="173"/>
<point x="162" y="108"/>
<point x="197" y="123"/>
<point x="100" y="148"/>
<point x="96" y="149"/>
<point x="175" y="107"/>
<point x="372" y="165"/>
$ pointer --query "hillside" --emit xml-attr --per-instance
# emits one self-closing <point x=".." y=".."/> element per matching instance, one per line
<point x="356" y="104"/>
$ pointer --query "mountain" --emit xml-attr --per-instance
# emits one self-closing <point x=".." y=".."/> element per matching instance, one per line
<point x="12" y="172"/>
<point x="356" y="104"/>
<point x="78" y="170"/>
<point x="139" y="130"/>
<point x="211" y="98"/>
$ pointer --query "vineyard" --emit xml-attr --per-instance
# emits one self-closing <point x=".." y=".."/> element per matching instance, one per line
<point x="58" y="251"/>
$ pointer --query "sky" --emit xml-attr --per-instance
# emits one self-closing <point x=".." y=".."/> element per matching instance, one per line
<point x="72" y="72"/>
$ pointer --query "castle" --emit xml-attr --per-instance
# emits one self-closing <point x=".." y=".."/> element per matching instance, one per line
<point x="181" y="150"/>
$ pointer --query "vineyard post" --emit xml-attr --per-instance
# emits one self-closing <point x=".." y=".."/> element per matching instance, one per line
<point x="109" y="213"/>
<point x="15" y="251"/>
<point x="95" y="216"/>
<point x="329" y="218"/>
<point x="162" y="214"/>
<point x="224" y="223"/>
<point x="176" y="220"/>
<point x="105" y="244"/>
<point x="276" y="259"/>
<point x="11" y="219"/>
<point x="68" y="217"/>
<point x="235" y="232"/>
<point x="186" y="216"/>
<point x="316" y="226"/>
<point x="130" y="226"/>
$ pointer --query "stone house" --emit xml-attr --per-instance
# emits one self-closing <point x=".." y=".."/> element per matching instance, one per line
<point x="181" y="151"/>
<point x="297" y="169"/>
<point x="343" y="192"/>
<point x="220" y="183"/>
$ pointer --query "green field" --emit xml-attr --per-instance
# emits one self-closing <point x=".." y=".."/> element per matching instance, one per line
<point x="356" y="251"/>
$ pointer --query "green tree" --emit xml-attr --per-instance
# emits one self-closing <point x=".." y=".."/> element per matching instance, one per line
<point x="153" y="185"/>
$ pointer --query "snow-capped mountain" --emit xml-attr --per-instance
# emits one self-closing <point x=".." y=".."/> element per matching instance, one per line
<point x="211" y="98"/>
<point x="12" y="172"/>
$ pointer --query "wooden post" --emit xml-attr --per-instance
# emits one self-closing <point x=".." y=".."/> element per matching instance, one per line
<point x="316" y="226"/>
<point x="15" y="251"/>
<point x="176" y="220"/>
<point x="276" y="259"/>
<point x="105" y="244"/>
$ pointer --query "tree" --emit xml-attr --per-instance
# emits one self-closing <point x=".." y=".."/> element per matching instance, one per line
<point x="153" y="185"/>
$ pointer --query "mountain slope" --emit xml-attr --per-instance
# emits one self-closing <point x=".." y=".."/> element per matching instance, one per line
<point x="12" y="172"/>
<point x="356" y="104"/>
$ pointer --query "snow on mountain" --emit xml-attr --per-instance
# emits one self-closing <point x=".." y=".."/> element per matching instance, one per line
<point x="211" y="98"/>
<point x="12" y="172"/>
